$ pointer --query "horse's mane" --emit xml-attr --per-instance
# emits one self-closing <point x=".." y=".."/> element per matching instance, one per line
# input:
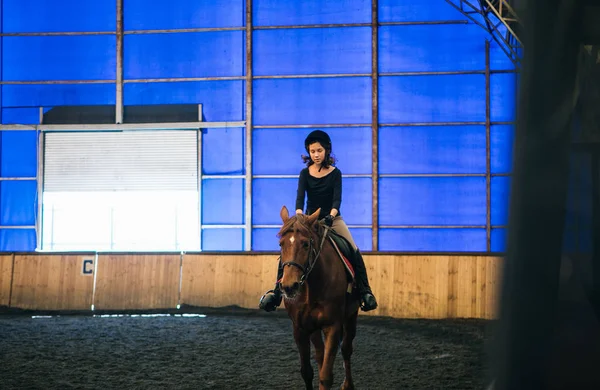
<point x="298" y="223"/>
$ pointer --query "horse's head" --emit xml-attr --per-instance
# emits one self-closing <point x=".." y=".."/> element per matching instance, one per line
<point x="299" y="249"/>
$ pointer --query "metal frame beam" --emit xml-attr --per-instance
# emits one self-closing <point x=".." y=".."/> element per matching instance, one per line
<point x="120" y="81"/>
<point x="375" y="126"/>
<point x="20" y="227"/>
<point x="212" y="29"/>
<point x="41" y="138"/>
<point x="357" y="175"/>
<point x="488" y="152"/>
<point x="199" y="168"/>
<point x="495" y="13"/>
<point x="126" y="126"/>
<point x="248" y="133"/>
<point x="119" y="58"/>
<point x="409" y="124"/>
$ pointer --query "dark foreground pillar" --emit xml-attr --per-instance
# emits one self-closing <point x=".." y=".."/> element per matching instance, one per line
<point x="537" y="205"/>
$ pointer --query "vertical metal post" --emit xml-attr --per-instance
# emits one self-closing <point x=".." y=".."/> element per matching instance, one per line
<point x="248" y="149"/>
<point x="40" y="182"/>
<point x="199" y="174"/>
<point x="375" y="124"/>
<point x="488" y="169"/>
<point x="119" y="43"/>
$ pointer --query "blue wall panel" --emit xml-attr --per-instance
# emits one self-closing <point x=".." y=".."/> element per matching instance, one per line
<point x="222" y="239"/>
<point x="268" y="196"/>
<point x="357" y="202"/>
<point x="426" y="48"/>
<point x="18" y="203"/>
<point x="432" y="201"/>
<point x="501" y="148"/>
<point x="168" y="14"/>
<point x="432" y="240"/>
<point x="58" y="15"/>
<point x="500" y="195"/>
<point x="23" y="240"/>
<point x="432" y="149"/>
<point x="221" y="100"/>
<point x="417" y="11"/>
<point x="498" y="58"/>
<point x="312" y="51"/>
<point x="363" y="238"/>
<point x="223" y="151"/>
<point x="223" y="201"/>
<point x="278" y="151"/>
<point x="498" y="238"/>
<point x="205" y="54"/>
<point x="502" y="97"/>
<point x="80" y="57"/>
<point x="285" y="12"/>
<point x="18" y="154"/>
<point x="57" y="94"/>
<point x="265" y="239"/>
<point x="441" y="98"/>
<point x="312" y="101"/>
<point x="22" y="116"/>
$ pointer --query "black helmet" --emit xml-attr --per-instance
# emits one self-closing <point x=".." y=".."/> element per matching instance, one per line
<point x="320" y="137"/>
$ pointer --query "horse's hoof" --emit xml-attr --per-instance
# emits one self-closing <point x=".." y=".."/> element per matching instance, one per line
<point x="347" y="386"/>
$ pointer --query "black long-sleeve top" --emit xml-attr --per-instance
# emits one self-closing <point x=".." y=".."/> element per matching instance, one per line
<point x="324" y="192"/>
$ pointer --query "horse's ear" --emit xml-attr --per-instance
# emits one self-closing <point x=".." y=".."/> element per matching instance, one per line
<point x="313" y="217"/>
<point x="284" y="214"/>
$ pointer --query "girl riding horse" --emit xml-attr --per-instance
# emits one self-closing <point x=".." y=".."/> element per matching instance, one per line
<point x="322" y="182"/>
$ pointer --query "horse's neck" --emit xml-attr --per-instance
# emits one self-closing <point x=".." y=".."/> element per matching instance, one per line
<point x="320" y="278"/>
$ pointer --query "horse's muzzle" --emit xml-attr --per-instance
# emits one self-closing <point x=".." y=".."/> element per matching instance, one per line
<point x="291" y="290"/>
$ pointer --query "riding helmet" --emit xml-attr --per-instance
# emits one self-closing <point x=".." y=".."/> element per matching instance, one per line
<point x="318" y="136"/>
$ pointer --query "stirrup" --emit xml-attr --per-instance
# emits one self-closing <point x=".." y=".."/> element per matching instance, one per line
<point x="269" y="302"/>
<point x="363" y="304"/>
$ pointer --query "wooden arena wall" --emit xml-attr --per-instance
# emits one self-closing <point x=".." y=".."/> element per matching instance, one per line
<point x="406" y="286"/>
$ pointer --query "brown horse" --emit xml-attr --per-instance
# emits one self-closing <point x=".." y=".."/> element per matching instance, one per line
<point x="315" y="293"/>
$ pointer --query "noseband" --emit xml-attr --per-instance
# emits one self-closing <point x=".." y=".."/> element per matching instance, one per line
<point x="311" y="262"/>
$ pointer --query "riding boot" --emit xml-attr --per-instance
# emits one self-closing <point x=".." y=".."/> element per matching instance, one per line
<point x="362" y="283"/>
<point x="272" y="298"/>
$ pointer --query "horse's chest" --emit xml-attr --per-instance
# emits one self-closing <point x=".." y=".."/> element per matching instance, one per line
<point x="312" y="319"/>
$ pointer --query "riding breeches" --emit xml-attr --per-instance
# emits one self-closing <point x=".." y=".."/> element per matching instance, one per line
<point x="340" y="227"/>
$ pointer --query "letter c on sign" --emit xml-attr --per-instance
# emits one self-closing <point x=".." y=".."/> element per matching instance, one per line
<point x="87" y="267"/>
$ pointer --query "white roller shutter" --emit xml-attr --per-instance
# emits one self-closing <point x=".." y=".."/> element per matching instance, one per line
<point x="119" y="161"/>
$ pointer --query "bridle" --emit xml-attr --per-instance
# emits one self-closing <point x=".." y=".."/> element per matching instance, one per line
<point x="311" y="262"/>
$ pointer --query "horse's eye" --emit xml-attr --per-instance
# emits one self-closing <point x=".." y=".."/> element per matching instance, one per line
<point x="305" y="244"/>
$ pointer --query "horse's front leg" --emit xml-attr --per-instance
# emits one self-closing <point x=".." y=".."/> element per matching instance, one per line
<point x="317" y="340"/>
<point x="303" y="343"/>
<point x="349" y="334"/>
<point x="332" y="340"/>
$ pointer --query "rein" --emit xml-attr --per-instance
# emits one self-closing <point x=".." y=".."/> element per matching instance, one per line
<point x="311" y="263"/>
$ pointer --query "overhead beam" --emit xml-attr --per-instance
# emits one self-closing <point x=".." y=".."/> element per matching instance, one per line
<point x="126" y="126"/>
<point x="499" y="19"/>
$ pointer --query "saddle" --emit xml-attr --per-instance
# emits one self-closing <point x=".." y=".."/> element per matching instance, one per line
<point x="345" y="252"/>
